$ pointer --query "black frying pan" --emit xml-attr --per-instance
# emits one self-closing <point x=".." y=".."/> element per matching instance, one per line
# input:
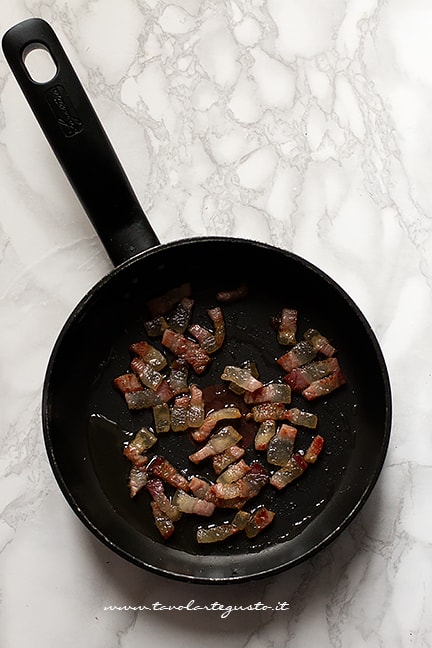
<point x="85" y="420"/>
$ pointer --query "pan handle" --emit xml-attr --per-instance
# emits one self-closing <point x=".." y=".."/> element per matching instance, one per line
<point x="72" y="128"/>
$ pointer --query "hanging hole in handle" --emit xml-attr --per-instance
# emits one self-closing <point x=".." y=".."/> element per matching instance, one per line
<point x="39" y="63"/>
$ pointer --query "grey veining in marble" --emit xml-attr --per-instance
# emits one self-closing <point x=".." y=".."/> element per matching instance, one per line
<point x="303" y="124"/>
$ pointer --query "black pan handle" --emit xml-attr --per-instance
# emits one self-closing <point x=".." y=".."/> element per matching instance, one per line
<point x="80" y="143"/>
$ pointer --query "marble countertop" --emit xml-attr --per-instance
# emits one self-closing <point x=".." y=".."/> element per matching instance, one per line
<point x="306" y="125"/>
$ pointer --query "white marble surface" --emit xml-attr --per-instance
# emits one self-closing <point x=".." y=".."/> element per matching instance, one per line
<point x="304" y="124"/>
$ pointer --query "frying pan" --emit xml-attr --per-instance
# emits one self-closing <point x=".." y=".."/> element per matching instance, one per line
<point x="86" y="422"/>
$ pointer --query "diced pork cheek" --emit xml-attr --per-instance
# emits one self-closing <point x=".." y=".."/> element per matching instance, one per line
<point x="238" y="482"/>
<point x="190" y="351"/>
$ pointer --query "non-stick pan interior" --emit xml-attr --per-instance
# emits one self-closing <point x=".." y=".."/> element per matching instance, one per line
<point x="86" y="421"/>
